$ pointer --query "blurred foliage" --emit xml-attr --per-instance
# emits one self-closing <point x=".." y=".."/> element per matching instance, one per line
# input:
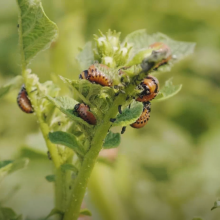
<point x="168" y="168"/>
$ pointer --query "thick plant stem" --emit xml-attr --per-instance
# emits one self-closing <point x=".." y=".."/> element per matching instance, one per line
<point x="79" y="187"/>
<point x="80" y="184"/>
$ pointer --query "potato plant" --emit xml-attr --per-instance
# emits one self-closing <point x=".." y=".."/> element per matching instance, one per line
<point x="73" y="143"/>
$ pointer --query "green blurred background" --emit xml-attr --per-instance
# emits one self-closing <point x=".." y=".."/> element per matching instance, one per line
<point x="167" y="170"/>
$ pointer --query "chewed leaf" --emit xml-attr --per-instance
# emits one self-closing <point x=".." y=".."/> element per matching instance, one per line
<point x="112" y="140"/>
<point x="68" y="140"/>
<point x="66" y="105"/>
<point x="15" y="82"/>
<point x="85" y="212"/>
<point x="7" y="167"/>
<point x="216" y="205"/>
<point x="140" y="39"/>
<point x="86" y="57"/>
<point x="168" y="90"/>
<point x="129" y="115"/>
<point x="54" y="211"/>
<point x="50" y="178"/>
<point x="36" y="30"/>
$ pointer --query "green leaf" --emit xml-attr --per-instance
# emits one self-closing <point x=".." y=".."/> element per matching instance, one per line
<point x="36" y="30"/>
<point x="4" y="90"/>
<point x="5" y="163"/>
<point x="8" y="214"/>
<point x="33" y="154"/>
<point x="138" y="57"/>
<point x="112" y="140"/>
<point x="94" y="95"/>
<point x="7" y="167"/>
<point x="216" y="205"/>
<point x="129" y="115"/>
<point x="68" y="166"/>
<point x="66" y="105"/>
<point x="19" y="217"/>
<point x="14" y="83"/>
<point x="54" y="211"/>
<point x="85" y="212"/>
<point x="140" y="40"/>
<point x="86" y="57"/>
<point x="168" y="90"/>
<point x="68" y="140"/>
<point x="50" y="178"/>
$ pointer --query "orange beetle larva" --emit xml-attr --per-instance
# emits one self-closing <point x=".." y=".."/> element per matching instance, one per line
<point x="83" y="111"/>
<point x="24" y="102"/>
<point x="145" y="116"/>
<point x="150" y="86"/>
<point x="93" y="74"/>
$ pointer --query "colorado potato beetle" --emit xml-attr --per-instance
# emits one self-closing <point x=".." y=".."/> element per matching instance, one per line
<point x="162" y="48"/>
<point x="83" y="111"/>
<point x="150" y="87"/>
<point x="93" y="74"/>
<point x="145" y="116"/>
<point x="23" y="101"/>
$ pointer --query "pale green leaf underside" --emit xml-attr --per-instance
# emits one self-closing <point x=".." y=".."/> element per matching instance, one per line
<point x="94" y="95"/>
<point x="168" y="90"/>
<point x="66" y="139"/>
<point x="112" y="140"/>
<point x="15" y="82"/>
<point x="86" y="57"/>
<point x="36" y="30"/>
<point x="4" y="90"/>
<point x="7" y="167"/>
<point x="129" y="115"/>
<point x="140" y="39"/>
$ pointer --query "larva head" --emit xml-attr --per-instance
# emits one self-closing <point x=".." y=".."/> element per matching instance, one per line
<point x="150" y="87"/>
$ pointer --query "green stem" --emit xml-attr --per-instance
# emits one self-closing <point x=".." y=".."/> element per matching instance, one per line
<point x="62" y="178"/>
<point x="79" y="188"/>
<point x="80" y="184"/>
